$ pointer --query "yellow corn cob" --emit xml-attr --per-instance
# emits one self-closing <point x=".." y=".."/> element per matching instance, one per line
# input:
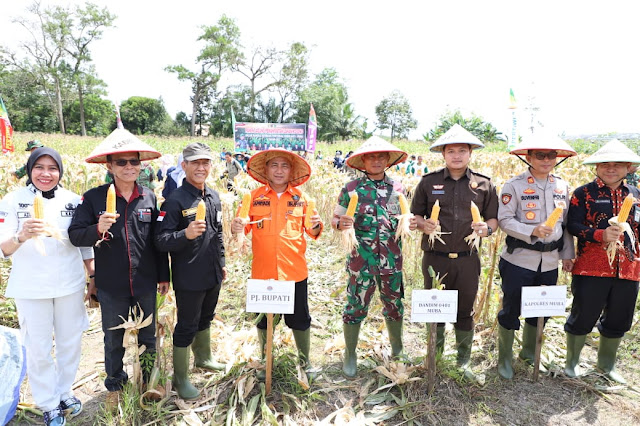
<point x="475" y="213"/>
<point x="353" y="203"/>
<point x="111" y="199"/>
<point x="435" y="211"/>
<point x="246" y="205"/>
<point x="311" y="207"/>
<point x="201" y="212"/>
<point x="625" y="209"/>
<point x="553" y="217"/>
<point x="404" y="204"/>
<point x="38" y="207"/>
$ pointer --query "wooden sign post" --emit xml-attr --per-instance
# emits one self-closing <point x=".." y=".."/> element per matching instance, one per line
<point x="433" y="306"/>
<point x="270" y="297"/>
<point x="540" y="302"/>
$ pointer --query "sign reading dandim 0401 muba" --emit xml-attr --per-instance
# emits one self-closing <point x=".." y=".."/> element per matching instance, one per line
<point x="543" y="301"/>
<point x="270" y="296"/>
<point x="434" y="305"/>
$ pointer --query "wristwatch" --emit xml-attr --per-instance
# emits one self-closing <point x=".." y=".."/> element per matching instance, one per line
<point x="16" y="239"/>
<point x="489" y="231"/>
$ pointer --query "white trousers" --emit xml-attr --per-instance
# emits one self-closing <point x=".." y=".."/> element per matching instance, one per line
<point x="40" y="319"/>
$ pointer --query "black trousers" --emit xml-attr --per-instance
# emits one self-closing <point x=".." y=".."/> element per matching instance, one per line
<point x="611" y="300"/>
<point x="300" y="319"/>
<point x="513" y="279"/>
<point x="195" y="312"/>
<point x="463" y="274"/>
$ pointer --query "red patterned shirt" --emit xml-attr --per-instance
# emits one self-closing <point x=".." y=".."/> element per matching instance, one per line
<point x="591" y="207"/>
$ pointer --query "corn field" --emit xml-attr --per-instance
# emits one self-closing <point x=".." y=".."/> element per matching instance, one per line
<point x="236" y="398"/>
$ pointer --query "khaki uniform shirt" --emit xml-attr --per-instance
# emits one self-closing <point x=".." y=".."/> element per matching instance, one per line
<point x="526" y="203"/>
<point x="455" y="205"/>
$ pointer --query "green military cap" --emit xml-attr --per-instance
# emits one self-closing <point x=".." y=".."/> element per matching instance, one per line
<point x="31" y="145"/>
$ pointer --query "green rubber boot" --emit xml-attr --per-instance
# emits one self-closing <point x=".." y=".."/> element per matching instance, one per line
<point x="528" y="351"/>
<point x="464" y="341"/>
<point x="505" y="352"/>
<point x="607" y="351"/>
<point x="303" y="343"/>
<point x="350" y="364"/>
<point x="262" y="338"/>
<point x="575" y="343"/>
<point x="181" y="381"/>
<point x="440" y="339"/>
<point x="201" y="348"/>
<point x="394" y="328"/>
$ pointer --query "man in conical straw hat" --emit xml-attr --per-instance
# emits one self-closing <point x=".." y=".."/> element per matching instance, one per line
<point x="128" y="269"/>
<point x="377" y="259"/>
<point x="604" y="288"/>
<point x="455" y="187"/>
<point x="277" y="221"/>
<point x="533" y="248"/>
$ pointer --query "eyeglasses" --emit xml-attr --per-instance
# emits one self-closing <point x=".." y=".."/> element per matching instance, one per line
<point x="542" y="155"/>
<point x="121" y="162"/>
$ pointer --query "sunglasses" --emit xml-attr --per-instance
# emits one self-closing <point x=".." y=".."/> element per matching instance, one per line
<point x="542" y="155"/>
<point x="121" y="162"/>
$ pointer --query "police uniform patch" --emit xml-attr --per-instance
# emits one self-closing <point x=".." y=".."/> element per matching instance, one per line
<point x="438" y="186"/>
<point x="560" y="203"/>
<point x="531" y="205"/>
<point x="296" y="197"/>
<point x="189" y="212"/>
<point x="530" y="215"/>
<point x="506" y="198"/>
<point x="529" y="191"/>
<point x="551" y="179"/>
<point x="558" y="191"/>
<point x="530" y="179"/>
<point x="474" y="184"/>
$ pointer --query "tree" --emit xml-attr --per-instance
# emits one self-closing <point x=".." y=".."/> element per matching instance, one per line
<point x="476" y="125"/>
<point x="85" y="26"/>
<point x="394" y="112"/>
<point x="99" y="118"/>
<point x="328" y="95"/>
<point x="293" y="78"/>
<point x="142" y="115"/>
<point x="221" y="50"/>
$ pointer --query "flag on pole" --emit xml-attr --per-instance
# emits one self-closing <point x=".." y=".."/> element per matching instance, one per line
<point x="118" y="119"/>
<point x="6" y="129"/>
<point x="312" y="130"/>
<point x="513" y="140"/>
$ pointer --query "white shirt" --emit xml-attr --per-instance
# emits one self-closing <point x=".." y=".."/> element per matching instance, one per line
<point x="61" y="271"/>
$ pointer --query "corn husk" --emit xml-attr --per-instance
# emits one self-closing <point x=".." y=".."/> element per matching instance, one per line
<point x="613" y="246"/>
<point x="49" y="229"/>
<point x="348" y="240"/>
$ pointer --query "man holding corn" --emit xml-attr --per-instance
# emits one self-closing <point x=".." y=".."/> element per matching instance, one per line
<point x="461" y="196"/>
<point x="277" y="219"/>
<point x="533" y="214"/>
<point x="128" y="268"/>
<point x="197" y="263"/>
<point x="607" y="269"/>
<point x="377" y="259"/>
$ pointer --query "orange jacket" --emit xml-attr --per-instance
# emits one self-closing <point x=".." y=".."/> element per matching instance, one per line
<point x="278" y="241"/>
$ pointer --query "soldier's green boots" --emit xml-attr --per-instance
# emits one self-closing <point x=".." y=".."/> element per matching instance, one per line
<point x="201" y="348"/>
<point x="505" y="352"/>
<point x="350" y="364"/>
<point x="607" y="351"/>
<point x="575" y="343"/>
<point x="464" y="341"/>
<point x="303" y="343"/>
<point x="181" y="374"/>
<point x="262" y="341"/>
<point x="528" y="351"/>
<point x="394" y="328"/>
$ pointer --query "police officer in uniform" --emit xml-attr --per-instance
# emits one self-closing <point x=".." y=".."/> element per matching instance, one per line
<point x="532" y="250"/>
<point x="456" y="186"/>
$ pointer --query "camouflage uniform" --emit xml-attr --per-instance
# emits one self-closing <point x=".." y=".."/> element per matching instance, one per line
<point x="378" y="258"/>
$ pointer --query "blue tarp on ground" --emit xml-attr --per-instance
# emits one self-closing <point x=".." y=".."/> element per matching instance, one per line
<point x="13" y="367"/>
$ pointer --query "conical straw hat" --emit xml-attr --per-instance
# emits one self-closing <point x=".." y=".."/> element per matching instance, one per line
<point x="456" y="134"/>
<point x="542" y="141"/>
<point x="613" y="151"/>
<point x="376" y="144"/>
<point x="257" y="166"/>
<point x="120" y="141"/>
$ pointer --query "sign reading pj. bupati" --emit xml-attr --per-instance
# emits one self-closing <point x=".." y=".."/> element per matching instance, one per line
<point x="261" y="136"/>
<point x="270" y="296"/>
